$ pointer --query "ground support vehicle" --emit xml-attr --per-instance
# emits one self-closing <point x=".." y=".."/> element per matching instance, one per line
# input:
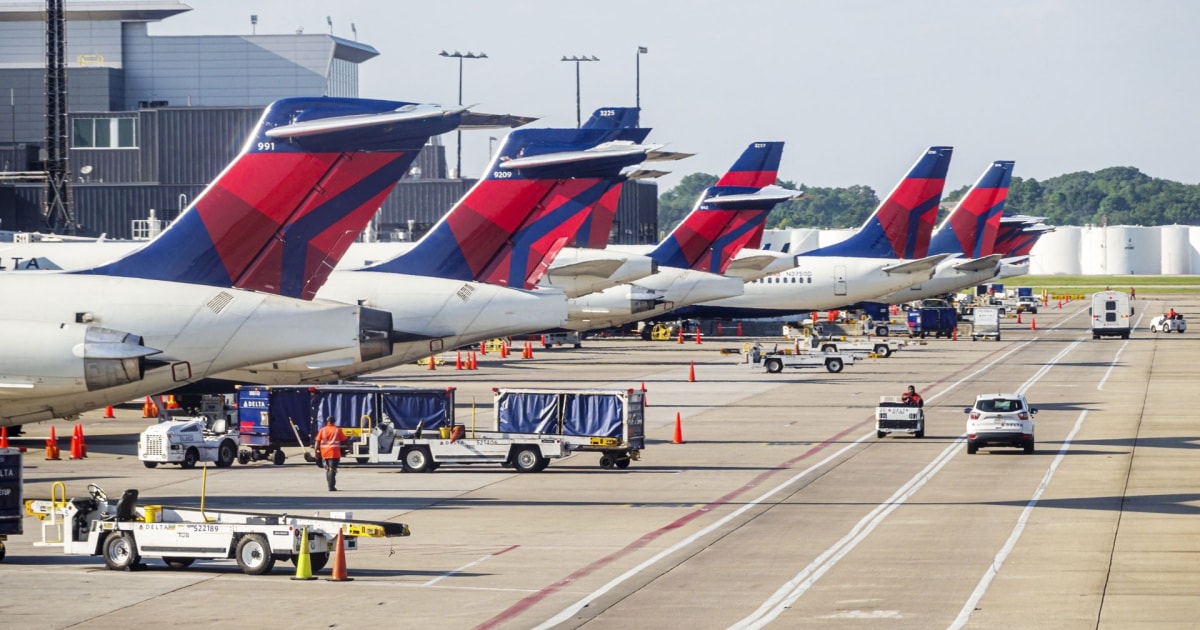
<point x="273" y="417"/>
<point x="1111" y="314"/>
<point x="572" y="338"/>
<point x="888" y="328"/>
<point x="668" y="331"/>
<point x="124" y="532"/>
<point x="187" y="441"/>
<point x="1165" y="324"/>
<point x="938" y="321"/>
<point x="1000" y="420"/>
<point x="986" y="324"/>
<point x="875" y="347"/>
<point x="418" y="452"/>
<point x="774" y="362"/>
<point x="892" y="415"/>
<point x="608" y="421"/>
<point x="11" y="517"/>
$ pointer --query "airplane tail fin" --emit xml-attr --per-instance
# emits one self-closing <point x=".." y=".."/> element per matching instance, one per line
<point x="1017" y="238"/>
<point x="727" y="217"/>
<point x="971" y="228"/>
<point x="536" y="197"/>
<point x="278" y="218"/>
<point x="902" y="225"/>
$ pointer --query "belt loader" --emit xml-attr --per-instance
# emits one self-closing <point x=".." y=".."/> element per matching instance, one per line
<point x="124" y="532"/>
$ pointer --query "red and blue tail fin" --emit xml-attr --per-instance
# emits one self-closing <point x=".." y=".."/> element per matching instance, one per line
<point x="903" y="223"/>
<point x="278" y="218"/>
<point x="1017" y="236"/>
<point x="971" y="228"/>
<point x="728" y="216"/>
<point x="534" y="199"/>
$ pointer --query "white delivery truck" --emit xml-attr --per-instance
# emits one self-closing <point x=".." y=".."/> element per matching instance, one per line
<point x="986" y="324"/>
<point x="1111" y="314"/>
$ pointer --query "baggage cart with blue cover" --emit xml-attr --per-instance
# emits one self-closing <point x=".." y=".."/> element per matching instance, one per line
<point x="12" y="511"/>
<point x="611" y="422"/>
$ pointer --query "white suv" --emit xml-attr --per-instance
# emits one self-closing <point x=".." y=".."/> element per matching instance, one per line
<point x="1000" y="420"/>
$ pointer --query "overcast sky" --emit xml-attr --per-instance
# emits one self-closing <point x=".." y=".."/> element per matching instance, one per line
<point x="856" y="89"/>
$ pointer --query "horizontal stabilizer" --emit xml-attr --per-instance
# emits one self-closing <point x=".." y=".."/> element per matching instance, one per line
<point x="667" y="156"/>
<point x="476" y="120"/>
<point x="411" y="112"/>
<point x="604" y="151"/>
<point x="757" y="262"/>
<point x="919" y="265"/>
<point x="643" y="173"/>
<point x="770" y="194"/>
<point x="113" y="350"/>
<point x="603" y="268"/>
<point x="401" y="336"/>
<point x="979" y="264"/>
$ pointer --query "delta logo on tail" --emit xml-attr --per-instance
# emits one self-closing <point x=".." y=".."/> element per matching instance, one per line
<point x="1017" y="237"/>
<point x="536" y="197"/>
<point x="902" y="225"/>
<point x="729" y="215"/>
<point x="308" y="180"/>
<point x="972" y="227"/>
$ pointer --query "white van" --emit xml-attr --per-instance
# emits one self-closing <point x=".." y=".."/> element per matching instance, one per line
<point x="1111" y="314"/>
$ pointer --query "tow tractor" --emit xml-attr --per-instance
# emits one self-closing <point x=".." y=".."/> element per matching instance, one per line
<point x="860" y="348"/>
<point x="124" y="532"/>
<point x="774" y="362"/>
<point x="894" y="416"/>
<point x="187" y="441"/>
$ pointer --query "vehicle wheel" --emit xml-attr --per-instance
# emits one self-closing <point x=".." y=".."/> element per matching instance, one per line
<point x="623" y="462"/>
<point x="880" y="434"/>
<point x="833" y="364"/>
<point x="3" y="552"/>
<point x="253" y="555"/>
<point x="883" y="350"/>
<point x="150" y="464"/>
<point x="226" y="453"/>
<point x="645" y="333"/>
<point x="416" y="460"/>
<point x="919" y="433"/>
<point x="526" y="458"/>
<point x="120" y="552"/>
<point x="828" y="348"/>
<point x="578" y="345"/>
<point x="317" y="560"/>
<point x="179" y="563"/>
<point x="997" y="336"/>
<point x="1028" y="446"/>
<point x="278" y="457"/>
<point x="243" y="458"/>
<point x="607" y="461"/>
<point x="1124" y="335"/>
<point x="882" y="331"/>
<point x="362" y="460"/>
<point x="774" y="366"/>
<point x="971" y="447"/>
<point x="1095" y="336"/>
<point x="190" y="458"/>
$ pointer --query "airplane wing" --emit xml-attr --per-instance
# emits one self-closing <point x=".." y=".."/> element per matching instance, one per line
<point x="667" y="156"/>
<point x="598" y="152"/>
<point x="919" y="265"/>
<point x="359" y="121"/>
<point x="978" y="264"/>
<point x="602" y="268"/>
<point x="643" y="173"/>
<point x="476" y="120"/>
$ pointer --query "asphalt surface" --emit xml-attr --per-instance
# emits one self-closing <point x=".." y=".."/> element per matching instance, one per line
<point x="781" y="508"/>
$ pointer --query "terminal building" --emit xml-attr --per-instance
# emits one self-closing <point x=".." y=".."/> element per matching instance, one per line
<point x="154" y="118"/>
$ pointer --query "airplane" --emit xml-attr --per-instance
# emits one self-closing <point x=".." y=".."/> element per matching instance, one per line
<point x="694" y="256"/>
<point x="968" y="235"/>
<point x="214" y="291"/>
<point x="1016" y="238"/>
<point x="885" y="255"/>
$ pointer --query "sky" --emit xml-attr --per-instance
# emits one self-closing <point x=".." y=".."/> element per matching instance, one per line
<point x="856" y="89"/>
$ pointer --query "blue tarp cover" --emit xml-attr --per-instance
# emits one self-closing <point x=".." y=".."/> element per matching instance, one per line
<point x="520" y="412"/>
<point x="407" y="408"/>
<point x="593" y="415"/>
<point x="346" y="407"/>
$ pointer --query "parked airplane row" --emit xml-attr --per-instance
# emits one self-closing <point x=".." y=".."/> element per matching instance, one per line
<point x="258" y="280"/>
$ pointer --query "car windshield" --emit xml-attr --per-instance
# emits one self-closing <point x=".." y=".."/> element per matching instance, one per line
<point x="1001" y="405"/>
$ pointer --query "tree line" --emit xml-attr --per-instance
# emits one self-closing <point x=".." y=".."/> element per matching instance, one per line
<point x="1120" y="195"/>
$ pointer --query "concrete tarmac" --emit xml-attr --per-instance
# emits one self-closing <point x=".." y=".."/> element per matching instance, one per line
<point x="781" y="508"/>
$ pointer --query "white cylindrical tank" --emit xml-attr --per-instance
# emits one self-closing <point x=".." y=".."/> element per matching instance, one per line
<point x="1057" y="252"/>
<point x="1091" y="250"/>
<point x="1132" y="250"/>
<point x="1176" y="250"/>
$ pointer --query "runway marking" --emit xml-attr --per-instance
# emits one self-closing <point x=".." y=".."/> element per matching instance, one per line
<point x="965" y="614"/>
<point x="468" y="566"/>
<point x="786" y="595"/>
<point x="573" y="609"/>
<point x="1116" y="357"/>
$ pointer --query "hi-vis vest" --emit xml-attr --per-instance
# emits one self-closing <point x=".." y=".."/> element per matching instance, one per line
<point x="329" y="440"/>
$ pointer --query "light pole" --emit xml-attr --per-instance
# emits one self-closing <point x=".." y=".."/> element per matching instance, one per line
<point x="638" y="78"/>
<point x="460" y="56"/>
<point x="577" y="60"/>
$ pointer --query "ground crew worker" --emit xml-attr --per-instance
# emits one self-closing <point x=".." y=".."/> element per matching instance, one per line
<point x="329" y="448"/>
<point x="912" y="398"/>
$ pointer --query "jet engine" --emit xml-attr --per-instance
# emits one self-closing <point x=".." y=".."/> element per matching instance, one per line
<point x="44" y="355"/>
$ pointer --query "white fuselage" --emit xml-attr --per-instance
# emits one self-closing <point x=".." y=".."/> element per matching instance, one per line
<point x="674" y="288"/>
<point x="946" y="279"/>
<point x="199" y="331"/>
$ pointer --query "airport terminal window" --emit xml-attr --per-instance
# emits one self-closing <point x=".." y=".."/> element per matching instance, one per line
<point x="104" y="133"/>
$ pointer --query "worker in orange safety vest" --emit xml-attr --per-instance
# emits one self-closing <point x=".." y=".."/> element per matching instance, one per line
<point x="329" y="448"/>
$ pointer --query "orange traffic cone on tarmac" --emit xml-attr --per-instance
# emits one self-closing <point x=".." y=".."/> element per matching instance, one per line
<point x="339" y="562"/>
<point x="530" y="349"/>
<point x="108" y="413"/>
<point x="458" y="365"/>
<point x="432" y="362"/>
<point x="692" y="372"/>
<point x="544" y="344"/>
<point x="1032" y="323"/>
<point x="954" y="334"/>
<point x="52" y="445"/>
<point x="503" y="349"/>
<point x="1018" y="317"/>
<point x="474" y="361"/>
<point x="76" y="453"/>
<point x="1060" y="304"/>
<point x="171" y="403"/>
<point x="678" y="438"/>
<point x="82" y="442"/>
<point x="644" y="403"/>
<point x="148" y="409"/>
<point x="698" y="336"/>
<point x="483" y="348"/>
<point x="680" y="335"/>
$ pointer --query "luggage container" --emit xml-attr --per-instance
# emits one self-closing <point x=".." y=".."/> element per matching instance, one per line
<point x="611" y="422"/>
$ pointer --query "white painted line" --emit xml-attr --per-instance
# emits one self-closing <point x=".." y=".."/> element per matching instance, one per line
<point x="467" y="566"/>
<point x="965" y="614"/>
<point x="1108" y="372"/>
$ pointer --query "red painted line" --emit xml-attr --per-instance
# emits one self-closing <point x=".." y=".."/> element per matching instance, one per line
<point x="535" y="598"/>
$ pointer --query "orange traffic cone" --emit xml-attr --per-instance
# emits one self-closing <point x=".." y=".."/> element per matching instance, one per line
<point x="1018" y="317"/>
<point x="692" y="372"/>
<point x="3" y="437"/>
<point x="644" y="403"/>
<point x="474" y="361"/>
<point x="954" y="334"/>
<point x="503" y="350"/>
<point x="82" y="442"/>
<point x="339" y="562"/>
<point x="108" y="413"/>
<point x="146" y="409"/>
<point x="171" y="403"/>
<point x="483" y="348"/>
<point x="680" y="335"/>
<point x="432" y="362"/>
<point x="1060" y="304"/>
<point x="544" y="342"/>
<point x="458" y="361"/>
<point x="76" y="453"/>
<point x="678" y="438"/>
<point x="698" y="335"/>
<point x="52" y="445"/>
<point x="1032" y="323"/>
<point x="530" y="349"/>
